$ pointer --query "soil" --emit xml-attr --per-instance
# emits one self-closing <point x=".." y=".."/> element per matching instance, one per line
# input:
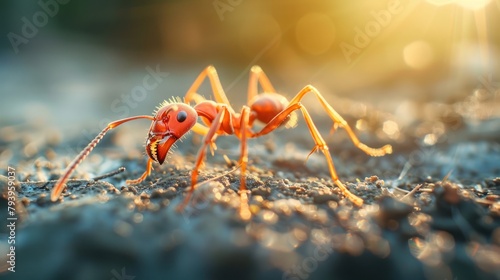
<point x="302" y="227"/>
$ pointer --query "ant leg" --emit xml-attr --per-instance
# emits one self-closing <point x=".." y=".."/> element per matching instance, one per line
<point x="58" y="188"/>
<point x="320" y="144"/>
<point x="374" y="152"/>
<point x="257" y="76"/>
<point x="245" y="213"/>
<point x="144" y="175"/>
<point x="217" y="89"/>
<point x="209" y="138"/>
<point x="198" y="128"/>
<point x="197" y="98"/>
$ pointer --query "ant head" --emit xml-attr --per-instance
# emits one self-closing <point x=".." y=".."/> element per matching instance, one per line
<point x="172" y="121"/>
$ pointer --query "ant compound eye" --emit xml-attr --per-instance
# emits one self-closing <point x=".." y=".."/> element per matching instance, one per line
<point x="182" y="116"/>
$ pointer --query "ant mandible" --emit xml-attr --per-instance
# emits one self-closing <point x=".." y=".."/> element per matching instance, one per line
<point x="174" y="119"/>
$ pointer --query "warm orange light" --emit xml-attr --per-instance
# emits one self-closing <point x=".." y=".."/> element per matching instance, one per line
<point x="468" y="4"/>
<point x="418" y="54"/>
<point x="257" y="32"/>
<point x="315" y="33"/>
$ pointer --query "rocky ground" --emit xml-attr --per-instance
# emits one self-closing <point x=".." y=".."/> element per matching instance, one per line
<point x="432" y="208"/>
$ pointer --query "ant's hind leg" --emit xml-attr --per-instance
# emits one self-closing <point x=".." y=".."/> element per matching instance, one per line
<point x="320" y="144"/>
<point x="257" y="76"/>
<point x="374" y="152"/>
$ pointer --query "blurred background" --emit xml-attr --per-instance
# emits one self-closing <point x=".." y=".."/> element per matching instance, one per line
<point x="421" y="75"/>
<point x="76" y="65"/>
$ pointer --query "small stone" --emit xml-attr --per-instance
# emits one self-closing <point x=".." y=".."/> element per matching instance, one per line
<point x="324" y="198"/>
<point x="371" y="179"/>
<point x="42" y="199"/>
<point x="157" y="193"/>
<point x="25" y="201"/>
<point x="132" y="189"/>
<point x="170" y="192"/>
<point x="262" y="191"/>
<point x="447" y="195"/>
<point x="391" y="211"/>
<point x="379" y="183"/>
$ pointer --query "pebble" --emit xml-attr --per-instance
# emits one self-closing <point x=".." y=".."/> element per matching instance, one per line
<point x="324" y="198"/>
<point x="392" y="211"/>
<point x="262" y="191"/>
<point x="43" y="200"/>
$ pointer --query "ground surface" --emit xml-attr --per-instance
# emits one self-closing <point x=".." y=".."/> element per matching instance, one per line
<point x="301" y="228"/>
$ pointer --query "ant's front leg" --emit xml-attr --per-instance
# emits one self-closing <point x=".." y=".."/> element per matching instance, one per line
<point x="219" y="94"/>
<point x="245" y="213"/>
<point x="149" y="167"/>
<point x="207" y="141"/>
<point x="218" y="91"/>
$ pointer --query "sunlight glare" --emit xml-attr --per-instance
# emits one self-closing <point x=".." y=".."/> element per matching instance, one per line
<point x="473" y="4"/>
<point x="468" y="4"/>
<point x="418" y="54"/>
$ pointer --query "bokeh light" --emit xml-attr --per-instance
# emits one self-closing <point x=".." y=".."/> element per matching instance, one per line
<point x="418" y="55"/>
<point x="343" y="48"/>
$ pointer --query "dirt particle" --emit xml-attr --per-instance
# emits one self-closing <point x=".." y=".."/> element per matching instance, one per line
<point x="379" y="183"/>
<point x="132" y="189"/>
<point x="112" y="189"/>
<point x="391" y="211"/>
<point x="170" y="192"/>
<point x="371" y="179"/>
<point x="262" y="191"/>
<point x="324" y="198"/>
<point x="144" y="195"/>
<point x="25" y="201"/>
<point x="448" y="193"/>
<point x="157" y="193"/>
<point x="42" y="199"/>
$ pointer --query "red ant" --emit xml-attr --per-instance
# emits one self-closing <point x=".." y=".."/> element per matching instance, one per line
<point x="174" y="119"/>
